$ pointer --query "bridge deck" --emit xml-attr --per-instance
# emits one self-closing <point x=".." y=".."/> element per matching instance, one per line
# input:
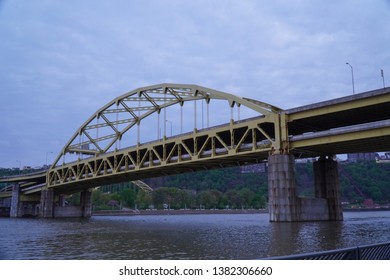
<point x="351" y="124"/>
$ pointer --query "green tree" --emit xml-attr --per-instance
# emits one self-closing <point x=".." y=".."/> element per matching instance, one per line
<point x="187" y="198"/>
<point x="259" y="201"/>
<point x="144" y="199"/>
<point x="99" y="199"/>
<point x="169" y="196"/>
<point x="233" y="199"/>
<point x="128" y="197"/>
<point x="247" y="197"/>
<point x="159" y="197"/>
<point x="209" y="198"/>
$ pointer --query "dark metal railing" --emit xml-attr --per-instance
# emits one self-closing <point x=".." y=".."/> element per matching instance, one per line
<point x="375" y="252"/>
<point x="366" y="252"/>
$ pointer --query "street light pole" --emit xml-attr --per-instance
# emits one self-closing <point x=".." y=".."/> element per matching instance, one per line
<point x="353" y="82"/>
<point x="383" y="78"/>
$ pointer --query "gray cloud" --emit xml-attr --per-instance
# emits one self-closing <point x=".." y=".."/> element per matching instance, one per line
<point x="61" y="61"/>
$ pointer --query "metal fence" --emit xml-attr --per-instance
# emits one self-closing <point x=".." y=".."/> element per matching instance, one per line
<point x="367" y="252"/>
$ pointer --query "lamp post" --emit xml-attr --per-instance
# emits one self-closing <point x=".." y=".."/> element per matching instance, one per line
<point x="383" y="78"/>
<point x="353" y="82"/>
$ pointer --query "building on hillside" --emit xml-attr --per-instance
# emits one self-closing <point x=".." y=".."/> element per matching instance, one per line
<point x="362" y="157"/>
<point x="254" y="168"/>
<point x="384" y="158"/>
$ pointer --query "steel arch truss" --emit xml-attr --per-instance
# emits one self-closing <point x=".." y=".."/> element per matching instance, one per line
<point x="230" y="145"/>
<point x="234" y="143"/>
<point x="104" y="129"/>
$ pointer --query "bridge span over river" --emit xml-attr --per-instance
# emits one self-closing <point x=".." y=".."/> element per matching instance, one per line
<point x="116" y="144"/>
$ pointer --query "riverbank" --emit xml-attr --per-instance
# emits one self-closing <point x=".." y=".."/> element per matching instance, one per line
<point x="366" y="209"/>
<point x="177" y="212"/>
<point x="132" y="212"/>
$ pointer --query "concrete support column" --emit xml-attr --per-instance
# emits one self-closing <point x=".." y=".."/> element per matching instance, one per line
<point x="86" y="203"/>
<point x="326" y="182"/>
<point x="15" y="201"/>
<point x="283" y="201"/>
<point x="61" y="200"/>
<point x="46" y="209"/>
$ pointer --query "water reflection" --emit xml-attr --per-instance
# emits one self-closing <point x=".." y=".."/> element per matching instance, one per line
<point x="295" y="238"/>
<point x="184" y="236"/>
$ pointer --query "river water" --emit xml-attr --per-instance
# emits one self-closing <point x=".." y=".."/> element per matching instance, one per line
<point x="201" y="237"/>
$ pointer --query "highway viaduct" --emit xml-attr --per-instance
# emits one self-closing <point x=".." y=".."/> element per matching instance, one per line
<point x="94" y="155"/>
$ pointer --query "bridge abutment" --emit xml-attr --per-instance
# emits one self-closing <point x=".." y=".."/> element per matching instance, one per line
<point x="286" y="206"/>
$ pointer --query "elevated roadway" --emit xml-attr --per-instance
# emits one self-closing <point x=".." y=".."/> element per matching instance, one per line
<point x="352" y="124"/>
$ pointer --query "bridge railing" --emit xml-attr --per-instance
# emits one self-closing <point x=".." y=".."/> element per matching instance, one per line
<point x="367" y="252"/>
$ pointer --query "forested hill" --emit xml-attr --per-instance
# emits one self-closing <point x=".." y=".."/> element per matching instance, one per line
<point x="359" y="181"/>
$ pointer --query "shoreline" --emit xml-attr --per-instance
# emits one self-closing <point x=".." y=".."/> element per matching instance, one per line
<point x="130" y="212"/>
<point x="176" y="212"/>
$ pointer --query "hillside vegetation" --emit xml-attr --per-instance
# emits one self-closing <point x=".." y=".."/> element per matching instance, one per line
<point x="230" y="188"/>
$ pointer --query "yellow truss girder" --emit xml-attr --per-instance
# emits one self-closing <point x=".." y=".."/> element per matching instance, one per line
<point x="249" y="141"/>
<point x="129" y="109"/>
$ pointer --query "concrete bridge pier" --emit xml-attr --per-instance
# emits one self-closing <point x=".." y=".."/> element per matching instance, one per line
<point x="46" y="209"/>
<point x="327" y="185"/>
<point x="283" y="202"/>
<point x="53" y="205"/>
<point x="86" y="203"/>
<point x="286" y="206"/>
<point x="21" y="205"/>
<point x="15" y="202"/>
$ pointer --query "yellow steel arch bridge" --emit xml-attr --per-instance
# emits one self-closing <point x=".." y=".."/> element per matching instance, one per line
<point x="100" y="158"/>
<point x="95" y="155"/>
<point x="117" y="144"/>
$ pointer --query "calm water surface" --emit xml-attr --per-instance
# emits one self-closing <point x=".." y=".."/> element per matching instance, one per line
<point x="218" y="236"/>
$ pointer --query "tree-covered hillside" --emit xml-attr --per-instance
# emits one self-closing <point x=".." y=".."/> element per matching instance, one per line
<point x="358" y="181"/>
<point x="232" y="188"/>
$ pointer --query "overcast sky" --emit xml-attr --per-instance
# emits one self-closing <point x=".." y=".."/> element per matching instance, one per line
<point x="60" y="61"/>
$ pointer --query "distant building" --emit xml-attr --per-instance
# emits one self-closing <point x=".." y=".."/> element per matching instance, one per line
<point x="384" y="158"/>
<point x="254" y="168"/>
<point x="362" y="157"/>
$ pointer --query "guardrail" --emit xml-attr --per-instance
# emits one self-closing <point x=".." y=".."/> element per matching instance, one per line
<point x="367" y="252"/>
